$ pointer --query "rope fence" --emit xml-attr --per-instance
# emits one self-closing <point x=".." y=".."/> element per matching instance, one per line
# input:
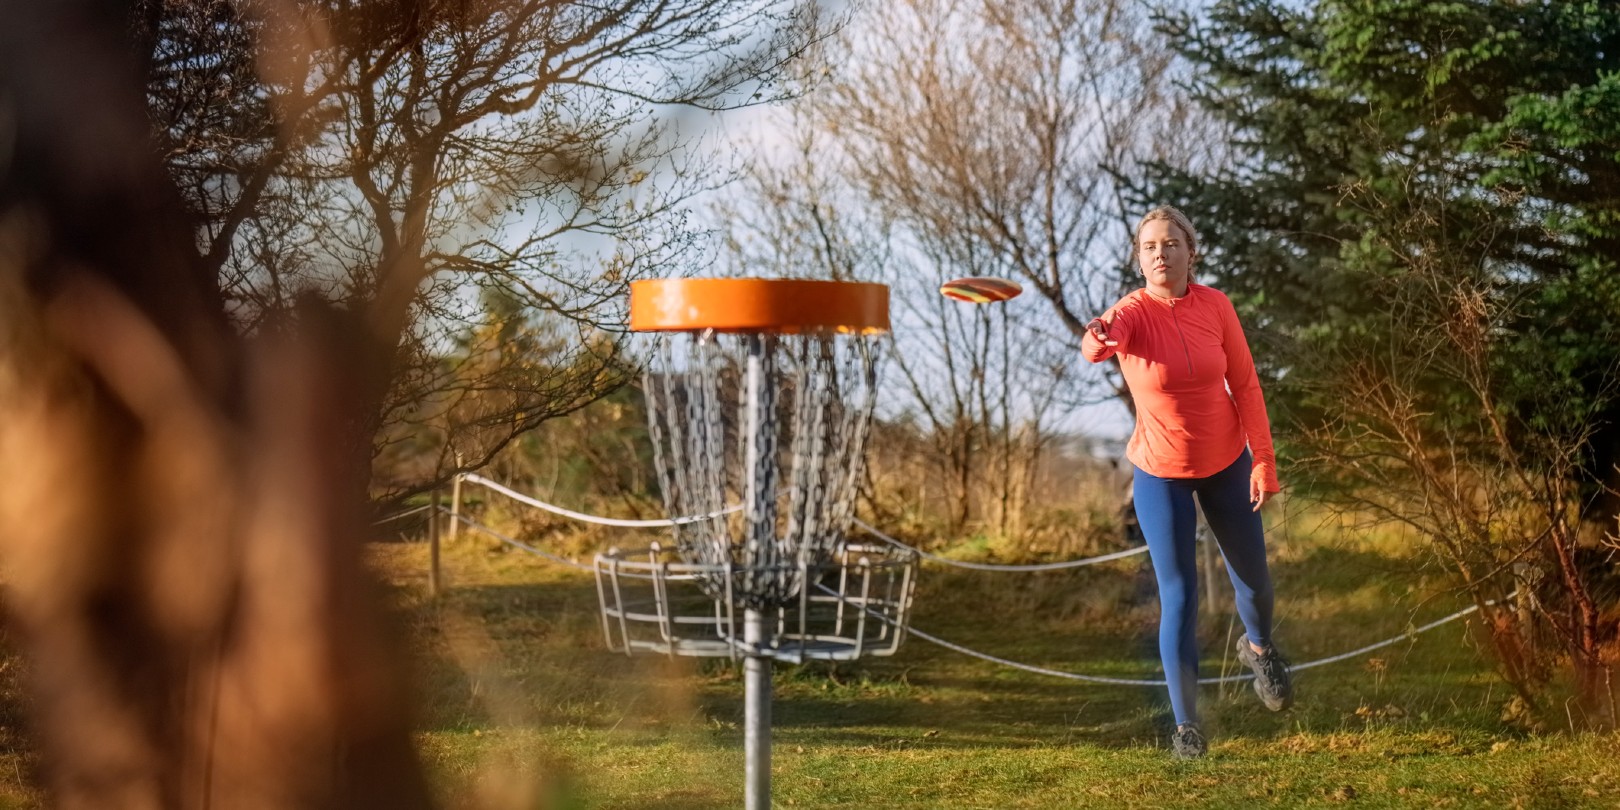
<point x="519" y="544"/>
<point x="1410" y="635"/>
<point x="473" y="478"/>
<point x="401" y="515"/>
<point x="1053" y="566"/>
<point x="530" y="500"/>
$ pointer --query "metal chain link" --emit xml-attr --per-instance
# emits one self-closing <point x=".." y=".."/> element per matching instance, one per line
<point x="814" y="399"/>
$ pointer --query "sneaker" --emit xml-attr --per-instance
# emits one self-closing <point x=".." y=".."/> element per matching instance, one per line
<point x="1271" y="679"/>
<point x="1188" y="742"/>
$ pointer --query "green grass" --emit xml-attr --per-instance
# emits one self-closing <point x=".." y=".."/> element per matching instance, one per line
<point x="523" y="706"/>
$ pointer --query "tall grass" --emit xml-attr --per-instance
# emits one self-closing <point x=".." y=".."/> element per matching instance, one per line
<point x="523" y="706"/>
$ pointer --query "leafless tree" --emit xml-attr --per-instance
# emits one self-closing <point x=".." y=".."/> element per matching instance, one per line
<point x="458" y="172"/>
<point x="959" y="137"/>
<point x="181" y="534"/>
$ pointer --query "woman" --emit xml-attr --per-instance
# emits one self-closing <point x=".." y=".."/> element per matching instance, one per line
<point x="1181" y="349"/>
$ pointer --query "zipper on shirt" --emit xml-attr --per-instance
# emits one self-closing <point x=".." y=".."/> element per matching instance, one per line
<point x="1185" y="352"/>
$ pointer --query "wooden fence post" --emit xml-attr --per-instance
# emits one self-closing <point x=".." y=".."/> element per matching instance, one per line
<point x="455" y="501"/>
<point x="433" y="545"/>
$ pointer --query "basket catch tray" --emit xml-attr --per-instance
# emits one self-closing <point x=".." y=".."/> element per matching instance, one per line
<point x="855" y="605"/>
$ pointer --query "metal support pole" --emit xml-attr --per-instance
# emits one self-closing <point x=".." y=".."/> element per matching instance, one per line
<point x="756" y="669"/>
<point x="757" y="715"/>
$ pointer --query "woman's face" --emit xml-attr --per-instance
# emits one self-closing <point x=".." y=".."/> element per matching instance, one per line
<point x="1161" y="250"/>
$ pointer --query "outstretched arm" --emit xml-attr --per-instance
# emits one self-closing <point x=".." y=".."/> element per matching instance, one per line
<point x="1103" y="337"/>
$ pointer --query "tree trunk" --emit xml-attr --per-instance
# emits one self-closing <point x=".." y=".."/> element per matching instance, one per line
<point x="182" y="555"/>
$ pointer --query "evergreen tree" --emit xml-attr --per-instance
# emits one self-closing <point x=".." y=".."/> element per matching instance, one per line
<point x="1421" y="223"/>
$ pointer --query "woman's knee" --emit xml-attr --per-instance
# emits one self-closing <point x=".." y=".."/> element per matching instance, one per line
<point x="1177" y="601"/>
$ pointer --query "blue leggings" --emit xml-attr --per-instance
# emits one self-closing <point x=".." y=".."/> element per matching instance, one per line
<point x="1164" y="508"/>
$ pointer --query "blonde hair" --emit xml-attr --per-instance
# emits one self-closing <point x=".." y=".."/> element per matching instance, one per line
<point x="1174" y="216"/>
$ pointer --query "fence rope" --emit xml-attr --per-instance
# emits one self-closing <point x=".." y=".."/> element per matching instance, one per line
<point x="474" y="478"/>
<point x="1054" y="566"/>
<point x="399" y="515"/>
<point x="520" y="544"/>
<point x="1410" y="635"/>
<point x="1333" y="659"/>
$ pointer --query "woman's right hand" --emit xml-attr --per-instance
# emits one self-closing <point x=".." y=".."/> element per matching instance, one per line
<point x="1099" y="330"/>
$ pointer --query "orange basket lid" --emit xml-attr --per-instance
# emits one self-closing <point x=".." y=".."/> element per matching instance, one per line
<point x="775" y="305"/>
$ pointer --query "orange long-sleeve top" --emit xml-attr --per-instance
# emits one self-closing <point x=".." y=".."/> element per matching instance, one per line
<point x="1198" y="400"/>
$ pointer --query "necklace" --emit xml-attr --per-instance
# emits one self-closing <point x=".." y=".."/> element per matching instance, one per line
<point x="1171" y="299"/>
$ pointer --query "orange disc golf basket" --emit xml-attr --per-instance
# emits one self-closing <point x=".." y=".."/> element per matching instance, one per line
<point x="760" y="395"/>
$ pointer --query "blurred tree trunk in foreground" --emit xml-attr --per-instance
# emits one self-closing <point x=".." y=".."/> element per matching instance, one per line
<point x="200" y="628"/>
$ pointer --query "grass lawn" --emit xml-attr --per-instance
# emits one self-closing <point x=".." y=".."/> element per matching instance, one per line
<point x="522" y="705"/>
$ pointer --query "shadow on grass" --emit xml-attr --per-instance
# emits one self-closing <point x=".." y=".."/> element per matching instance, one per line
<point x="1339" y="569"/>
<point x="545" y="643"/>
<point x="1016" y="720"/>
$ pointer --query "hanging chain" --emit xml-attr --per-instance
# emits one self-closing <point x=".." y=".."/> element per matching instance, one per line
<point x="812" y="395"/>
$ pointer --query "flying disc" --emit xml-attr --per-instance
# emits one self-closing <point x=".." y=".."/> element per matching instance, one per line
<point x="980" y="289"/>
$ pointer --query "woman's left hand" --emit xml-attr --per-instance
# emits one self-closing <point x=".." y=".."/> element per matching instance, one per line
<point x="1258" y="495"/>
